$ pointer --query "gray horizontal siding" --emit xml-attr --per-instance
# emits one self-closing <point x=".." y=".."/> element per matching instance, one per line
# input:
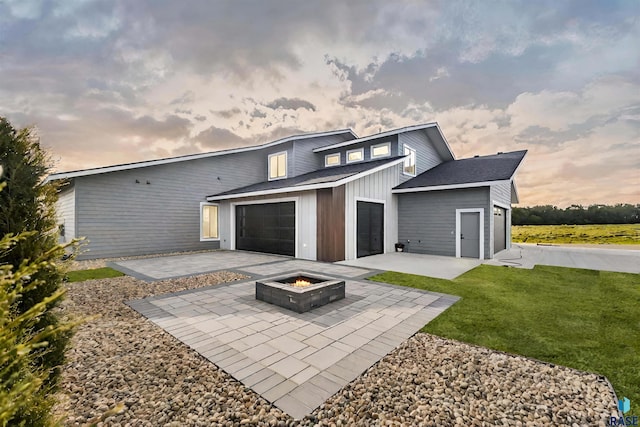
<point x="426" y="155"/>
<point x="428" y="219"/>
<point x="66" y="213"/>
<point x="501" y="193"/>
<point x="305" y="160"/>
<point x="120" y="217"/>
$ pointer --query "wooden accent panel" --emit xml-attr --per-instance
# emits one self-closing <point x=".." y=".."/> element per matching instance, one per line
<point x="330" y="214"/>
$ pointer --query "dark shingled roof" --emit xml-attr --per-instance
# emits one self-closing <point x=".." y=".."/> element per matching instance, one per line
<point x="495" y="167"/>
<point x="320" y="176"/>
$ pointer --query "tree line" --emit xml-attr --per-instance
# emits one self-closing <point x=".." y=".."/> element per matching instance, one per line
<point x="576" y="214"/>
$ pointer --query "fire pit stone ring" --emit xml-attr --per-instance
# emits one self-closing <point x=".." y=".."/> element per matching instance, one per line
<point x="300" y="291"/>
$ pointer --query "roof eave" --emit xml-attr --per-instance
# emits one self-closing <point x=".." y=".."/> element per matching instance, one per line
<point x="448" y="186"/>
<point x="297" y="188"/>
<point x="147" y="163"/>
<point x="375" y="136"/>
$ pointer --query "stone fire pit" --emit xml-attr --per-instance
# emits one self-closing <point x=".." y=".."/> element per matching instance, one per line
<point x="300" y="291"/>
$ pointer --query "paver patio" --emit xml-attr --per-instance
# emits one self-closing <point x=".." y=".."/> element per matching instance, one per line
<point x="296" y="361"/>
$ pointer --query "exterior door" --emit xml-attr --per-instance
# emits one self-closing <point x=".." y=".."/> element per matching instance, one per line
<point x="268" y="227"/>
<point x="370" y="228"/>
<point x="470" y="234"/>
<point x="499" y="229"/>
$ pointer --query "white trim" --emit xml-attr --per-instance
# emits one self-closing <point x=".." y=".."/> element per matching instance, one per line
<point x="380" y="156"/>
<point x="232" y="209"/>
<point x="210" y="239"/>
<point x="501" y="205"/>
<point x="415" y="159"/>
<point x="286" y="165"/>
<point x="449" y="186"/>
<point x="326" y="165"/>
<point x="381" y="135"/>
<point x="310" y="186"/>
<point x="355" y="223"/>
<point x="360" y="150"/>
<point x="481" y="219"/>
<point x="519" y="164"/>
<point x="146" y="163"/>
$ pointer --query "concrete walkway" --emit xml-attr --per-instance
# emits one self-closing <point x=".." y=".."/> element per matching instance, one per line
<point x="296" y="361"/>
<point x="523" y="255"/>
<point x="442" y="267"/>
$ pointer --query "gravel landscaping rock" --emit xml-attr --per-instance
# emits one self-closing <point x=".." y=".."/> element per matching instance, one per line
<point x="87" y="264"/>
<point x="120" y="357"/>
<point x="429" y="380"/>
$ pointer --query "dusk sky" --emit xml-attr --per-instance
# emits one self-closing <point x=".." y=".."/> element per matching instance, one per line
<point x="109" y="82"/>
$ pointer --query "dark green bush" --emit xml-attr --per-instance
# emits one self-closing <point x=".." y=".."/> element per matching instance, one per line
<point x="31" y="278"/>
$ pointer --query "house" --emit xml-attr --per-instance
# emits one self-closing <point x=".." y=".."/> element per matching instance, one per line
<point x="325" y="196"/>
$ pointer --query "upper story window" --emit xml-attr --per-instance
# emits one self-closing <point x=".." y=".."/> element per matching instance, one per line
<point x="381" y="150"/>
<point x="332" y="159"/>
<point x="278" y="165"/>
<point x="209" y="222"/>
<point x="356" y="155"/>
<point x="409" y="161"/>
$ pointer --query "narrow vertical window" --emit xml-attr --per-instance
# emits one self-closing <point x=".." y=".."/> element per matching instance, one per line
<point x="278" y="165"/>
<point x="409" y="161"/>
<point x="209" y="223"/>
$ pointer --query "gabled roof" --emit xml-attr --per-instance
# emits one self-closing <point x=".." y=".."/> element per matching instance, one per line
<point x="471" y="172"/>
<point x="135" y="165"/>
<point x="322" y="178"/>
<point x="432" y="130"/>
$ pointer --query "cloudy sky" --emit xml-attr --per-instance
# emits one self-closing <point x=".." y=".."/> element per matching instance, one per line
<point x="112" y="81"/>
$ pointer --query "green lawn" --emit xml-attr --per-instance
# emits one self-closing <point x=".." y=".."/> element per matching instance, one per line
<point x="585" y="319"/>
<point x="96" y="273"/>
<point x="619" y="234"/>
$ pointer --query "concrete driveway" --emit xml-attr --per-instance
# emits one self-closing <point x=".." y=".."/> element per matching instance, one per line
<point x="523" y="255"/>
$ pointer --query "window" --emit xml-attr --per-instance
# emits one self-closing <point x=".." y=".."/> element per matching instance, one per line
<point x="409" y="161"/>
<point x="278" y="165"/>
<point x="381" y="150"/>
<point x="356" y="155"/>
<point x="332" y="159"/>
<point x="209" y="222"/>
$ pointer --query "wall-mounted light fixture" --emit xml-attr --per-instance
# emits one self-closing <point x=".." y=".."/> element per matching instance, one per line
<point x="148" y="182"/>
<point x="137" y="181"/>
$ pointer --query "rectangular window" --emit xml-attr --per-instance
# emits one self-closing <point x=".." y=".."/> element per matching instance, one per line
<point x="332" y="159"/>
<point x="209" y="222"/>
<point x="381" y="150"/>
<point x="409" y="161"/>
<point x="356" y="155"/>
<point x="278" y="165"/>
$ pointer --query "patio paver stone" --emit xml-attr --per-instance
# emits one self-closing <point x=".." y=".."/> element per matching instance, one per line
<point x="296" y="361"/>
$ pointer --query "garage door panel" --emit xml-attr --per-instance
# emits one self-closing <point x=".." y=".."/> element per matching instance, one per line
<point x="268" y="227"/>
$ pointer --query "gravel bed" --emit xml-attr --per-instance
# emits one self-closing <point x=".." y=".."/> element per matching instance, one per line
<point x="87" y="264"/>
<point x="121" y="357"/>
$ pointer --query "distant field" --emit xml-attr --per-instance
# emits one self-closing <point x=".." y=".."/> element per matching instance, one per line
<point x="619" y="234"/>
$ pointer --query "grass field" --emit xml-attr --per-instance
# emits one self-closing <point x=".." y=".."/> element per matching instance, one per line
<point x="619" y="234"/>
<point x="584" y="319"/>
<point x="96" y="273"/>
